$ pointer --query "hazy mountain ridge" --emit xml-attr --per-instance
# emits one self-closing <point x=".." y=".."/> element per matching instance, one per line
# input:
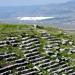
<point x="39" y="10"/>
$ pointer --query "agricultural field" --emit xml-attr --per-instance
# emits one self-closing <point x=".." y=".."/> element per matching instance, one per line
<point x="36" y="50"/>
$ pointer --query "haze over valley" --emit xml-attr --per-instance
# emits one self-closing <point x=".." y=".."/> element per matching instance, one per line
<point x="62" y="14"/>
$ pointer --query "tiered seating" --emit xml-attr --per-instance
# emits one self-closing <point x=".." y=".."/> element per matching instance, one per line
<point x="3" y="43"/>
<point x="9" y="41"/>
<point x="23" y="69"/>
<point x="56" y="67"/>
<point x="30" y="46"/>
<point x="32" y="54"/>
<point x="20" y="67"/>
<point x="8" y="56"/>
<point x="12" y="41"/>
<point x="29" y="71"/>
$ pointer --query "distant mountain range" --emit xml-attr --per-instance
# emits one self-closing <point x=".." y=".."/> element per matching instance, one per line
<point x="64" y="14"/>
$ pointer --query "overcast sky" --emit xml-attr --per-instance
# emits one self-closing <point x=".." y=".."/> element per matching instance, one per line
<point x="28" y="2"/>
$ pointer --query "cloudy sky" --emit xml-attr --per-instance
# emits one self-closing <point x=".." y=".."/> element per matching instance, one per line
<point x="28" y="2"/>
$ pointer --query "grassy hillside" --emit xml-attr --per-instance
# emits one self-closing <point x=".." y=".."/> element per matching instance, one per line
<point x="53" y="36"/>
